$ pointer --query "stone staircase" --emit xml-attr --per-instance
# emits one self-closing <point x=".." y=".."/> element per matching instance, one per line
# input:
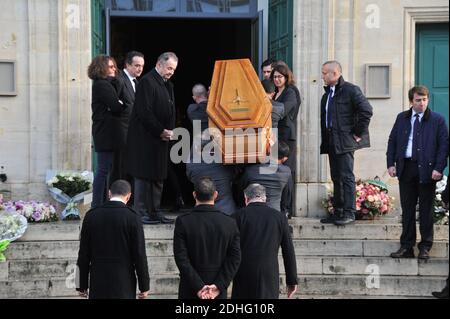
<point x="333" y="262"/>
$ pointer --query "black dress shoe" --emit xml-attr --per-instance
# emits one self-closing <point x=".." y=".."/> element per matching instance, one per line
<point x="165" y="220"/>
<point x="403" y="253"/>
<point x="424" y="254"/>
<point x="160" y="218"/>
<point x="346" y="220"/>
<point x="330" y="219"/>
<point x="441" y="294"/>
<point x="147" y="221"/>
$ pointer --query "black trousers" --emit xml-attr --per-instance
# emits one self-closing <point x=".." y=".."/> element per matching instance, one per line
<point x="289" y="193"/>
<point x="119" y="171"/>
<point x="344" y="191"/>
<point x="147" y="196"/>
<point x="412" y="191"/>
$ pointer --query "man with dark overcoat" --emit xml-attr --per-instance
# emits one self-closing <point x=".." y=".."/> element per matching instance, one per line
<point x="112" y="250"/>
<point x="262" y="231"/>
<point x="150" y="131"/>
<point x="206" y="247"/>
<point x="134" y="65"/>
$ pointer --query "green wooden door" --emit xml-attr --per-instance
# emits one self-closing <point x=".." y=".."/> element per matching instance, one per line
<point x="432" y="64"/>
<point x="281" y="15"/>
<point x="98" y="25"/>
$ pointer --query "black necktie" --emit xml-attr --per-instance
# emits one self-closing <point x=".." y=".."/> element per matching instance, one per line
<point x="329" y="110"/>
<point x="135" y="84"/>
<point x="415" y="141"/>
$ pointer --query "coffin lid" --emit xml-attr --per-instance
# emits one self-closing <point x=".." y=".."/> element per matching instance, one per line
<point x="237" y="99"/>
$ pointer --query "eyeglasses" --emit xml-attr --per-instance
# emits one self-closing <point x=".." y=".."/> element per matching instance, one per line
<point x="278" y="76"/>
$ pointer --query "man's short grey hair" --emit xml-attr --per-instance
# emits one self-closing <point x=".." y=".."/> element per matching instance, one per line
<point x="334" y="64"/>
<point x="199" y="90"/>
<point x="163" y="58"/>
<point x="255" y="191"/>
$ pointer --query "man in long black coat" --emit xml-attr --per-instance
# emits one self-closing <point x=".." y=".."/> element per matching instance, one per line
<point x="150" y="130"/>
<point x="263" y="230"/>
<point x="134" y="65"/>
<point x="206" y="247"/>
<point x="112" y="250"/>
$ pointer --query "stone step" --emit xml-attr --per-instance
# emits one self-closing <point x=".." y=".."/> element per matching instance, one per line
<point x="60" y="287"/>
<point x="301" y="229"/>
<point x="164" y="247"/>
<point x="309" y="285"/>
<point x="307" y="265"/>
<point x="357" y="286"/>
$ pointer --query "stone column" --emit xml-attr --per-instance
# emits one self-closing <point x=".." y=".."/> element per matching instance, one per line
<point x="311" y="49"/>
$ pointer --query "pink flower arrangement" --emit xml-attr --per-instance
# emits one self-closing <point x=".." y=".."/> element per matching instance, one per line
<point x="371" y="201"/>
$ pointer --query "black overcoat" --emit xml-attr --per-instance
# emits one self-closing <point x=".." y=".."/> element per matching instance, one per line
<point x="263" y="230"/>
<point x="112" y="253"/>
<point x="206" y="250"/>
<point x="153" y="111"/>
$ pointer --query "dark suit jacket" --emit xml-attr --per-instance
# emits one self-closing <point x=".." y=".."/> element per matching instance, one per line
<point x="433" y="144"/>
<point x="274" y="183"/>
<point x="198" y="112"/>
<point x="222" y="175"/>
<point x="263" y="230"/>
<point x="106" y="111"/>
<point x="127" y="96"/>
<point x="112" y="253"/>
<point x="153" y="111"/>
<point x="206" y="250"/>
<point x="277" y="113"/>
<point x="351" y="114"/>
<point x="287" y="126"/>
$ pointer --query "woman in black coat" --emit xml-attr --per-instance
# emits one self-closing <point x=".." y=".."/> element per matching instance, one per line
<point x="288" y="94"/>
<point x="106" y="110"/>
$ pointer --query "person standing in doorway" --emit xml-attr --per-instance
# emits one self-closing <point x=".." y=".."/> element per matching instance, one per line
<point x="266" y="68"/>
<point x="344" y="119"/>
<point x="151" y="129"/>
<point x="134" y="65"/>
<point x="112" y="250"/>
<point x="417" y="154"/>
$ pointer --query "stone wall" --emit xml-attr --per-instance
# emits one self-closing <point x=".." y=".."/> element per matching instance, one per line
<point x="355" y="32"/>
<point x="47" y="125"/>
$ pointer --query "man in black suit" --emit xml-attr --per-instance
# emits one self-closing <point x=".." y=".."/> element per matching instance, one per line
<point x="134" y="65"/>
<point x="206" y="247"/>
<point x="112" y="250"/>
<point x="417" y="154"/>
<point x="151" y="129"/>
<point x="197" y="111"/>
<point x="274" y="179"/>
<point x="266" y="68"/>
<point x="262" y="231"/>
<point x="344" y="119"/>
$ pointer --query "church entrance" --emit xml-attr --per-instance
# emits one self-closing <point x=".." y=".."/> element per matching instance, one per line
<point x="198" y="43"/>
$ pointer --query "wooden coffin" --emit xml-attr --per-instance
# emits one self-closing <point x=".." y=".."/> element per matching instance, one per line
<point x="239" y="113"/>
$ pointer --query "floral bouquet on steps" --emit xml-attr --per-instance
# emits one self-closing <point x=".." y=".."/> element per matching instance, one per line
<point x="70" y="189"/>
<point x="372" y="200"/>
<point x="12" y="226"/>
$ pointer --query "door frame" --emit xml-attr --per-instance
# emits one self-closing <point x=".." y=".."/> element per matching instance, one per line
<point x="413" y="16"/>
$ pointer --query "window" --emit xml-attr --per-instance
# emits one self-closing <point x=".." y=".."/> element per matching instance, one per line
<point x="378" y="80"/>
<point x="8" y="77"/>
